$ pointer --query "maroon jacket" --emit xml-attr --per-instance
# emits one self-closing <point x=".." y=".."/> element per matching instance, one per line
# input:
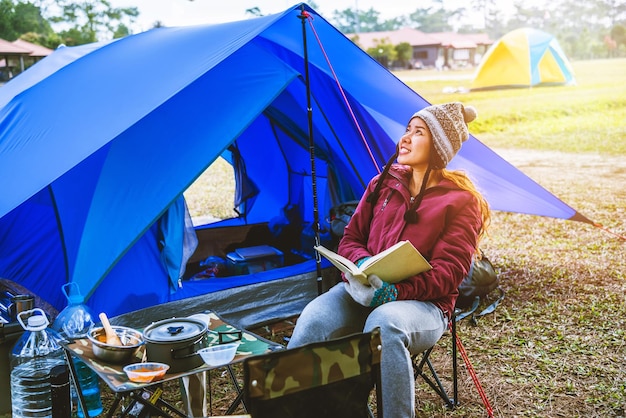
<point x="445" y="233"/>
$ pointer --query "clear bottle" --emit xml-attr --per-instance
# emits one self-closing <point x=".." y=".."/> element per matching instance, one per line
<point x="73" y="322"/>
<point x="33" y="356"/>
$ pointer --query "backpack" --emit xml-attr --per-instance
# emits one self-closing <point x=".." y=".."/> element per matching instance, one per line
<point x="340" y="216"/>
<point x="476" y="288"/>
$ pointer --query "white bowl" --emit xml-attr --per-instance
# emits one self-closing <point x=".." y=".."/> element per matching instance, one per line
<point x="219" y="354"/>
<point x="145" y="372"/>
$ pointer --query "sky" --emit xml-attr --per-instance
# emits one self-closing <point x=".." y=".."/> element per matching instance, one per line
<point x="186" y="12"/>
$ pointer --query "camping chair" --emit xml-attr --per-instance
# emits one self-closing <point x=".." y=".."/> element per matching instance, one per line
<point x="423" y="367"/>
<point x="325" y="379"/>
<point x="481" y="280"/>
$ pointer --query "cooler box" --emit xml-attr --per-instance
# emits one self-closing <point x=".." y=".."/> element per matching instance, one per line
<point x="253" y="260"/>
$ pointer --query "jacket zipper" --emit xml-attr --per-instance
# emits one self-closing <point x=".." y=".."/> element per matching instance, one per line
<point x="384" y="204"/>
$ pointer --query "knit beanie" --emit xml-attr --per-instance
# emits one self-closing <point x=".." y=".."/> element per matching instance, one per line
<point x="448" y="127"/>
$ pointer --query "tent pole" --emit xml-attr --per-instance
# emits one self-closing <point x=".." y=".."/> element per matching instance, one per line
<point x="316" y="221"/>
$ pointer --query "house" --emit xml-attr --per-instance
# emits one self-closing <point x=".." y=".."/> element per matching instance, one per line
<point x="18" y="55"/>
<point x="462" y="49"/>
<point x="439" y="50"/>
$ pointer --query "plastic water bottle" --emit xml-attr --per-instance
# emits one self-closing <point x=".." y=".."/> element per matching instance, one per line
<point x="33" y="356"/>
<point x="75" y="321"/>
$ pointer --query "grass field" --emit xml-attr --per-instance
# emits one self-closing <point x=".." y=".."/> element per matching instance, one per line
<point x="556" y="345"/>
<point x="561" y="118"/>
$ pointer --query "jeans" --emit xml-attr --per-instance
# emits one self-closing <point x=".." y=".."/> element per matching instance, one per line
<point x="407" y="327"/>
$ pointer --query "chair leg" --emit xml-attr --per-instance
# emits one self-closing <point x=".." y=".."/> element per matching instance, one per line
<point x="455" y="383"/>
<point x="379" y="405"/>
<point x="433" y="381"/>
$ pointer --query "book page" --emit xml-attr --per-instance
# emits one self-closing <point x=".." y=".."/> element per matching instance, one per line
<point x="339" y="261"/>
<point x="382" y="254"/>
<point x="396" y="263"/>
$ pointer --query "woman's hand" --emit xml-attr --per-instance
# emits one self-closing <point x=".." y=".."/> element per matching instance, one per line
<point x="361" y="293"/>
<point x="377" y="293"/>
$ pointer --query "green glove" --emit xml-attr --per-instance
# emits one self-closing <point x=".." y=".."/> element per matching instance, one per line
<point x="385" y="293"/>
<point x="361" y="261"/>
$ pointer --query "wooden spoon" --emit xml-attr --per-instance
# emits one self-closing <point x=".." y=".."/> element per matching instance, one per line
<point x="112" y="338"/>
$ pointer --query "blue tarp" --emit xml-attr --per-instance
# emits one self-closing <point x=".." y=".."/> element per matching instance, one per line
<point x="97" y="142"/>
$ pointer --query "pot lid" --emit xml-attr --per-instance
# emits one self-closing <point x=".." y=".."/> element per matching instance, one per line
<point x="174" y="329"/>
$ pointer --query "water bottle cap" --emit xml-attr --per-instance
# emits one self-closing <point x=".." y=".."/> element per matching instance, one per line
<point x="33" y="322"/>
<point x="36" y="321"/>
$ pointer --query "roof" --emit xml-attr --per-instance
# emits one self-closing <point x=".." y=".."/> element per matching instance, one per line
<point x="35" y="50"/>
<point x="461" y="40"/>
<point x="479" y="38"/>
<point x="416" y="37"/>
<point x="9" y="48"/>
<point x="411" y="36"/>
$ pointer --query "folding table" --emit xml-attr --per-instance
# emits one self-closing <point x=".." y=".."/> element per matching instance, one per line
<point x="114" y="376"/>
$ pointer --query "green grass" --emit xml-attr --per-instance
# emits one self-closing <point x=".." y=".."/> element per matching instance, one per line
<point x="586" y="117"/>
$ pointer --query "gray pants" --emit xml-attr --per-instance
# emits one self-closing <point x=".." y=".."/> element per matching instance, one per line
<point x="407" y="327"/>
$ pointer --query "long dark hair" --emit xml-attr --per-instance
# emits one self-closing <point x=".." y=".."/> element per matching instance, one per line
<point x="459" y="178"/>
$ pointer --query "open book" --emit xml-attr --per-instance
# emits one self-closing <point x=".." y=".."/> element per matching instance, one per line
<point x="395" y="264"/>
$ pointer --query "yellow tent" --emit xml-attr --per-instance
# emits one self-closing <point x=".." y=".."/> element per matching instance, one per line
<point x="523" y="58"/>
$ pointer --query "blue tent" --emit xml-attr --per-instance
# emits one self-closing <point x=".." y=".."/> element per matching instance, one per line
<point x="98" y="143"/>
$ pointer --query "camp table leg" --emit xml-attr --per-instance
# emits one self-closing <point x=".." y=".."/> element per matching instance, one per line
<point x="116" y="403"/>
<point x="155" y="404"/>
<point x="239" y="397"/>
<point x="74" y="378"/>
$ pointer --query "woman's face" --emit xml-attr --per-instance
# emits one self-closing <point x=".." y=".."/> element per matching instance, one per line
<point x="414" y="146"/>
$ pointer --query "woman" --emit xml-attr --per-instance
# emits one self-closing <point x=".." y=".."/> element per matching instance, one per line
<point x="443" y="215"/>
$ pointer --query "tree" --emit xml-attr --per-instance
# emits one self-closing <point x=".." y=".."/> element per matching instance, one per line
<point x="493" y="19"/>
<point x="614" y="10"/>
<point x="93" y="20"/>
<point x="618" y="33"/>
<point x="404" y="52"/>
<point x="355" y="21"/>
<point x="254" y="11"/>
<point x="121" y="31"/>
<point x="383" y="52"/>
<point x="20" y="18"/>
<point x="618" y="37"/>
<point x="52" y="40"/>
<point x="434" y="19"/>
<point x="349" y="21"/>
<point x="7" y="12"/>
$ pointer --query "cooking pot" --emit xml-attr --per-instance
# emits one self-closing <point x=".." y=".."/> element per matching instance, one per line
<point x="175" y="341"/>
